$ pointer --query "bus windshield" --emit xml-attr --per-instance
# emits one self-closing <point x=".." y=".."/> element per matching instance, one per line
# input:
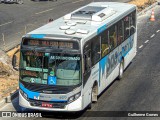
<point x="50" y="68"/>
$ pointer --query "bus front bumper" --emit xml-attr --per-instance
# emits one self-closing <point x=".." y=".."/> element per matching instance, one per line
<point x="74" y="106"/>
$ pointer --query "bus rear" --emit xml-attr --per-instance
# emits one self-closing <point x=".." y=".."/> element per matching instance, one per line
<point x="50" y="74"/>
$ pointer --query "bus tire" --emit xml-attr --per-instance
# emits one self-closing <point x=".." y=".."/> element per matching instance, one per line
<point x="94" y="95"/>
<point x="121" y="70"/>
<point x="94" y="92"/>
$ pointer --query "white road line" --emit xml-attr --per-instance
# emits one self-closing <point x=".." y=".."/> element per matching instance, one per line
<point x="158" y="31"/>
<point x="141" y="46"/>
<point x="77" y="1"/>
<point x="146" y="41"/>
<point x="152" y="35"/>
<point x="43" y="11"/>
<point x="6" y="23"/>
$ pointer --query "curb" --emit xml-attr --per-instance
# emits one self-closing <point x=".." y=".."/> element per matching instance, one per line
<point x="148" y="8"/>
<point x="9" y="98"/>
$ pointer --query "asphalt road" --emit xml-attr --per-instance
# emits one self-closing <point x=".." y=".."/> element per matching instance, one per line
<point x="139" y="89"/>
<point x="16" y="20"/>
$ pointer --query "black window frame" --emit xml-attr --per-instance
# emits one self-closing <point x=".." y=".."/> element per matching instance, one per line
<point x="86" y="50"/>
<point x="95" y="55"/>
<point x="126" y="28"/>
<point x="104" y="36"/>
<point x="122" y="30"/>
<point x="133" y="18"/>
<point x="113" y="41"/>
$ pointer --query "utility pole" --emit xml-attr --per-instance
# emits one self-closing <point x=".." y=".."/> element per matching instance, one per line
<point x="4" y="44"/>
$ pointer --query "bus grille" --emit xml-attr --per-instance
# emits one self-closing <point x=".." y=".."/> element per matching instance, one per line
<point x="37" y="103"/>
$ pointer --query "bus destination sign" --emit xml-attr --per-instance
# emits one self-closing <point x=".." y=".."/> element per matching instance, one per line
<point x="56" y="44"/>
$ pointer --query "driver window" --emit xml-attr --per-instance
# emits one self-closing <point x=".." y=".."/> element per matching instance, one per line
<point x="87" y="57"/>
<point x="87" y="61"/>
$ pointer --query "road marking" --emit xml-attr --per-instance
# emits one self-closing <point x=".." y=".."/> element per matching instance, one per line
<point x="77" y="1"/>
<point x="6" y="23"/>
<point x="43" y="11"/>
<point x="152" y="35"/>
<point x="158" y="31"/>
<point x="146" y="41"/>
<point x="141" y="46"/>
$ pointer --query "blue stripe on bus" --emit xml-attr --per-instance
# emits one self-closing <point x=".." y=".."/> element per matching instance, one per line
<point x="101" y="29"/>
<point x="32" y="95"/>
<point x="37" y="35"/>
<point x="102" y="66"/>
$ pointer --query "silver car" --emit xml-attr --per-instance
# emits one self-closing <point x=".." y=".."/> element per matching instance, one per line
<point x="12" y="1"/>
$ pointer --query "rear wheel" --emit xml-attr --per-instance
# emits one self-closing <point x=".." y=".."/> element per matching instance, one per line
<point x="94" y="93"/>
<point x="121" y="70"/>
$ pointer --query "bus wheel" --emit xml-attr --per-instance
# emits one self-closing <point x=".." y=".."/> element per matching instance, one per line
<point x="94" y="93"/>
<point x="121" y="70"/>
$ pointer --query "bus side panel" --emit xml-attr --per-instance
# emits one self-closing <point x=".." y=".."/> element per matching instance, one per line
<point x="109" y="69"/>
<point x="109" y="65"/>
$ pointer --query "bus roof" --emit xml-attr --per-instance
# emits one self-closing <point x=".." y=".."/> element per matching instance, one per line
<point x="86" y="21"/>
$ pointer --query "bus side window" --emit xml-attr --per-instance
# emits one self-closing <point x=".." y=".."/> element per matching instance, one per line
<point x="104" y="43"/>
<point x="87" y="57"/>
<point x="120" y="38"/>
<point x="95" y="50"/>
<point x="133" y="22"/>
<point x="126" y="27"/>
<point x="87" y="61"/>
<point x="112" y="37"/>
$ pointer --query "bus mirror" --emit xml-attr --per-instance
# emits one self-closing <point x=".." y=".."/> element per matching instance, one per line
<point x="14" y="61"/>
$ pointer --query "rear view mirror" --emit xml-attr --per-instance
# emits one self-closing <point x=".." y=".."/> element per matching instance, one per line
<point x="14" y="62"/>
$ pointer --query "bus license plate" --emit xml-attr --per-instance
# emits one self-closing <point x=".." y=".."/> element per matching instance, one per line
<point x="47" y="105"/>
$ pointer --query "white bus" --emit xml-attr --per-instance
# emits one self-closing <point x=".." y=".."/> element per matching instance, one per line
<point x="67" y="63"/>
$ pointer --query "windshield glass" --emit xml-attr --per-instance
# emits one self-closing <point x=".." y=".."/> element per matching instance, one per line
<point x="50" y="68"/>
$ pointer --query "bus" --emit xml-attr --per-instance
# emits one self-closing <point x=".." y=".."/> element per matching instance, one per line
<point x="67" y="63"/>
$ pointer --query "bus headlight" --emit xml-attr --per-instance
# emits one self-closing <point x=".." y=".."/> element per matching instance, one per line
<point x="23" y="94"/>
<point x="74" y="97"/>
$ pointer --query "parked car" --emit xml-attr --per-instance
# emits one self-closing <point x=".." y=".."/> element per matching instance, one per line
<point x="12" y="1"/>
